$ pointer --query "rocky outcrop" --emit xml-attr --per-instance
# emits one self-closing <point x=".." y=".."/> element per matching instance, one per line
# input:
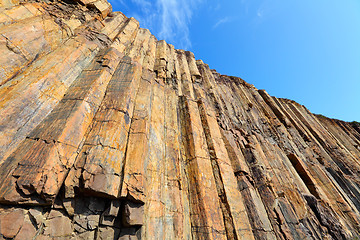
<point x="108" y="133"/>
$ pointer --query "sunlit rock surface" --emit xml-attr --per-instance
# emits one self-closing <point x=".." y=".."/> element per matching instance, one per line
<point x="108" y="133"/>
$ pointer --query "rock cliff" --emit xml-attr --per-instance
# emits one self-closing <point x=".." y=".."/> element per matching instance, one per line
<point x="108" y="133"/>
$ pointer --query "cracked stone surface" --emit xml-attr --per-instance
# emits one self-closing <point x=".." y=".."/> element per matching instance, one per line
<point x="108" y="133"/>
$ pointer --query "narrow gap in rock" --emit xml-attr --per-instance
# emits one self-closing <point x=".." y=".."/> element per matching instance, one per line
<point x="224" y="205"/>
<point x="197" y="217"/>
<point x="303" y="174"/>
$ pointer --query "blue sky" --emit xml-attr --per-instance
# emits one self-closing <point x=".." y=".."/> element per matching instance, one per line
<point x="305" y="50"/>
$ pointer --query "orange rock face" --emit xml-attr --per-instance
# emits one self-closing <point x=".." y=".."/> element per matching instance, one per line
<point x="108" y="133"/>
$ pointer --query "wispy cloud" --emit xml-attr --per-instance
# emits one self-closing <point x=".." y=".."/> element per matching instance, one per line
<point x="267" y="9"/>
<point x="222" y="21"/>
<point x="167" y="19"/>
<point x="260" y="13"/>
<point x="176" y="17"/>
<point x="260" y="10"/>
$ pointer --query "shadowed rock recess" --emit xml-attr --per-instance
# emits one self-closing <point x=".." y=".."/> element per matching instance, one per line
<point x="108" y="133"/>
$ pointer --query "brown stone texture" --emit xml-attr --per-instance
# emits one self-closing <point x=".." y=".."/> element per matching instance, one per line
<point x="108" y="133"/>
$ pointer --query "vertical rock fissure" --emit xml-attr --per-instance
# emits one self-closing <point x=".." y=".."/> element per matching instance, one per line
<point x="332" y="152"/>
<point x="227" y="216"/>
<point x="127" y="145"/>
<point x="280" y="225"/>
<point x="326" y="217"/>
<point x="265" y="191"/>
<point x="197" y="217"/>
<point x="346" y="186"/>
<point x="257" y="221"/>
<point x="303" y="174"/>
<point x="185" y="182"/>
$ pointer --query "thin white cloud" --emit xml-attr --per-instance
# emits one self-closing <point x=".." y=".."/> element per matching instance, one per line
<point x="167" y="19"/>
<point x="267" y="9"/>
<point x="222" y="21"/>
<point x="175" y="20"/>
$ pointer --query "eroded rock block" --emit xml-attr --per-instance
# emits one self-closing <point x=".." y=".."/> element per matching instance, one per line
<point x="58" y="225"/>
<point x="84" y="236"/>
<point x="37" y="216"/>
<point x="11" y="222"/>
<point x="108" y="233"/>
<point x="133" y="214"/>
<point x="113" y="210"/>
<point x="129" y="234"/>
<point x="27" y="231"/>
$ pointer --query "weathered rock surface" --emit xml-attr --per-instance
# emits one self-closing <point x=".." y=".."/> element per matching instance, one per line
<point x="108" y="133"/>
